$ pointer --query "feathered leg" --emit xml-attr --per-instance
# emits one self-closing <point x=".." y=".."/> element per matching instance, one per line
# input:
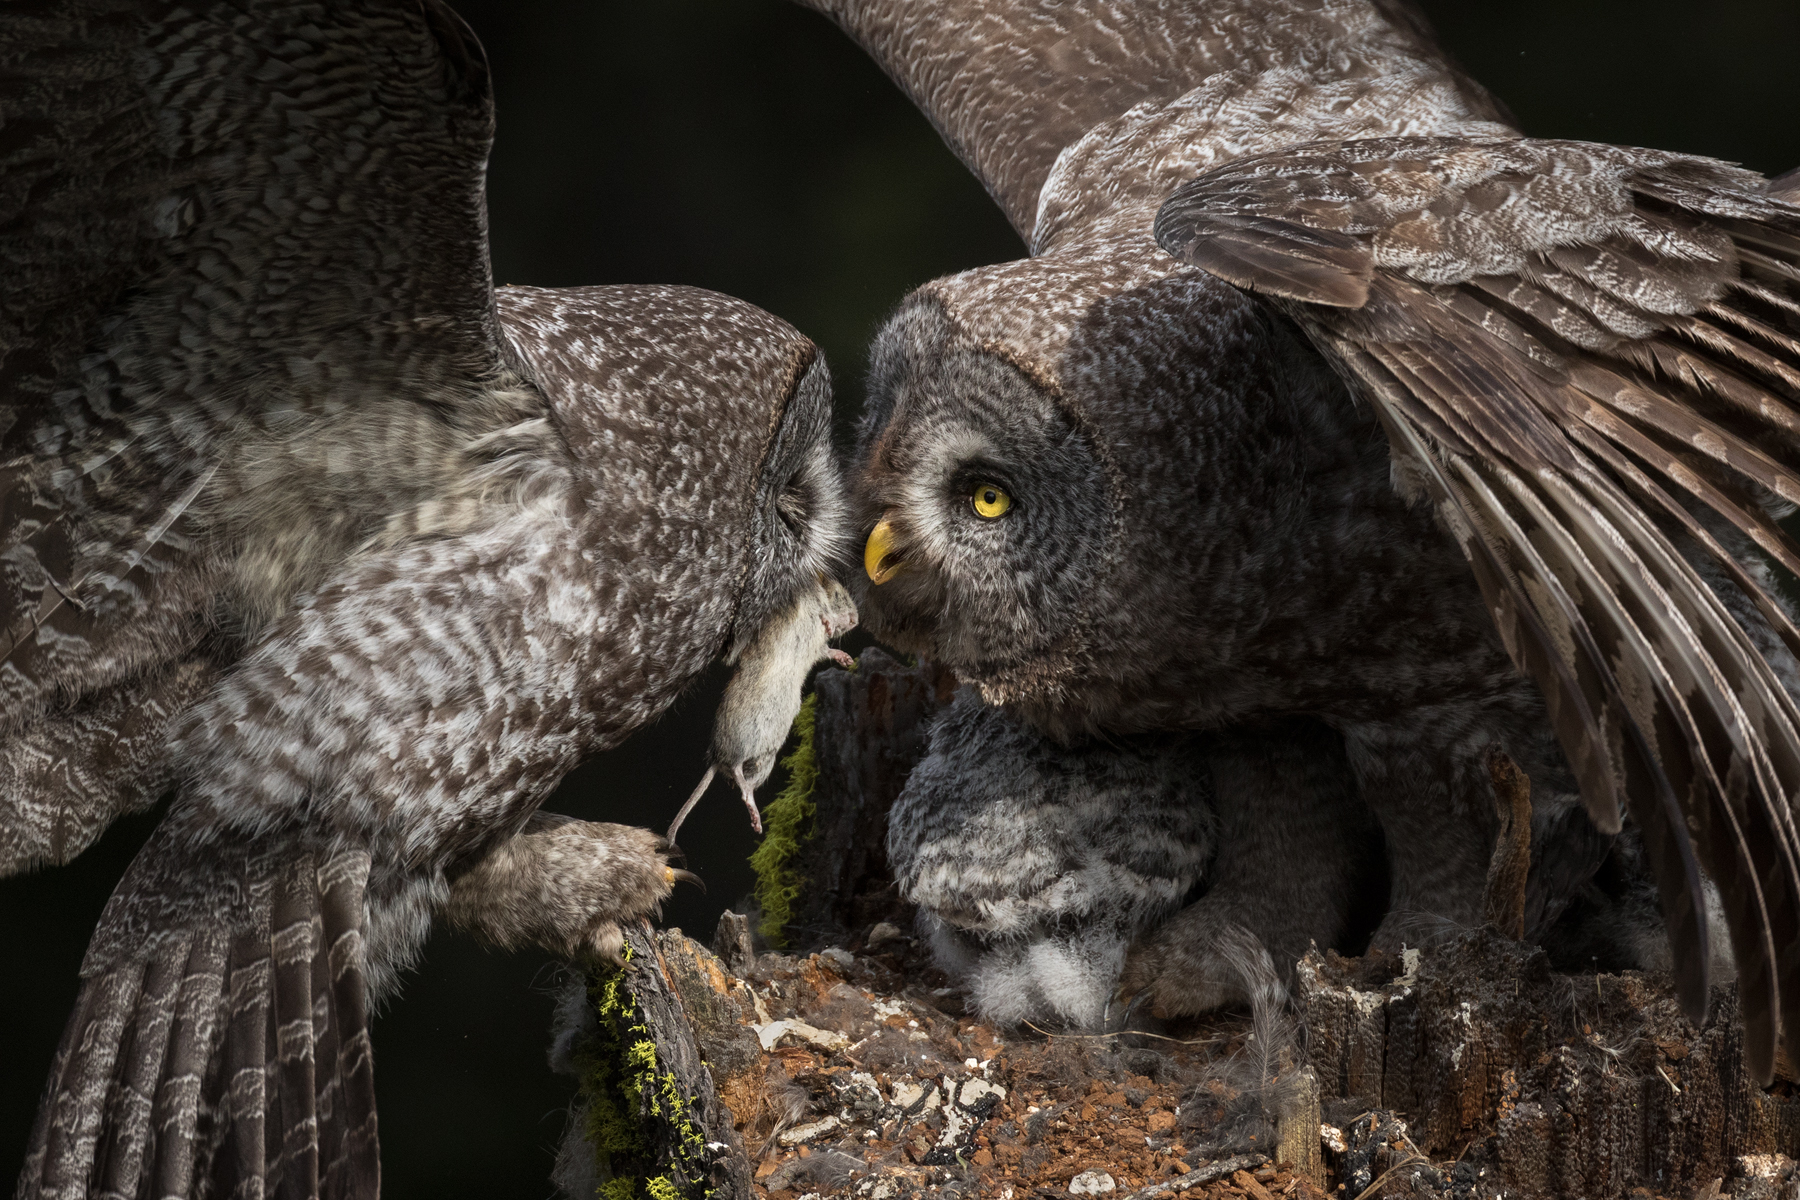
<point x="1295" y="842"/>
<point x="568" y="886"/>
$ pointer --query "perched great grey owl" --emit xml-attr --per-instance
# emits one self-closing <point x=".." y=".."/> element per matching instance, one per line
<point x="1459" y="439"/>
<point x="304" y="520"/>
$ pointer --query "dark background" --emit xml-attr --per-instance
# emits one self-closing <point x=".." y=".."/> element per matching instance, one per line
<point x="745" y="145"/>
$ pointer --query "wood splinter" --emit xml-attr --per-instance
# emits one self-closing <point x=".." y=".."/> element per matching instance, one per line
<point x="1503" y="902"/>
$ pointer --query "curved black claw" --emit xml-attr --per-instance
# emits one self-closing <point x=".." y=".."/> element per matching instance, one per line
<point x="679" y="876"/>
<point x="1133" y="1007"/>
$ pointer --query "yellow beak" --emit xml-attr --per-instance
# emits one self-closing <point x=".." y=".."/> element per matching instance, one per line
<point x="876" y="552"/>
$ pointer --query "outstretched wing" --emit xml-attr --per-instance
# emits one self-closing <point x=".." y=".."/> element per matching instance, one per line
<point x="220" y="1043"/>
<point x="1589" y="359"/>
<point x="246" y="281"/>
<point x="413" y="710"/>
<point x="66" y="777"/>
<point x="1011" y="84"/>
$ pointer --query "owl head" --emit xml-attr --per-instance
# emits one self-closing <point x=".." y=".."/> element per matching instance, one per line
<point x="1088" y="490"/>
<point x="700" y="428"/>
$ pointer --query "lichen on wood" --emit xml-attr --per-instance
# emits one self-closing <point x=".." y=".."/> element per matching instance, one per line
<point x="645" y="1095"/>
<point x="789" y="823"/>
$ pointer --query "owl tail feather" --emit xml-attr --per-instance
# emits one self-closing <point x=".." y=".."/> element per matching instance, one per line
<point x="220" y="1042"/>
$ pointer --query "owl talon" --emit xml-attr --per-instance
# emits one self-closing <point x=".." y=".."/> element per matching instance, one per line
<point x="606" y="942"/>
<point x="676" y="875"/>
<point x="1133" y="1006"/>
<point x="571" y="887"/>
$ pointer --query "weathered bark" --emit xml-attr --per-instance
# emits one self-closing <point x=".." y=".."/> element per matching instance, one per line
<point x="1470" y="1071"/>
<point x="1568" y="1086"/>
<point x="649" y="1110"/>
<point x="870" y="731"/>
<point x="1482" y="1075"/>
<point x="1503" y="900"/>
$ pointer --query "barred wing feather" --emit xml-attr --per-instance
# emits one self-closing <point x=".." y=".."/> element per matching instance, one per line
<point x="1579" y="352"/>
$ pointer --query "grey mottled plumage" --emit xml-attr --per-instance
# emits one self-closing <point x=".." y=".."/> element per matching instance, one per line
<point x="1036" y="865"/>
<point x="301" y="517"/>
<point x="1548" y="334"/>
<point x="1295" y="846"/>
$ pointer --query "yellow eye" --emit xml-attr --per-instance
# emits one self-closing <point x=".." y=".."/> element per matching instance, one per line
<point x="990" y="501"/>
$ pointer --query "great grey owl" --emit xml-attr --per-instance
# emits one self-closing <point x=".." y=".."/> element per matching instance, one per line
<point x="304" y="520"/>
<point x="1459" y="439"/>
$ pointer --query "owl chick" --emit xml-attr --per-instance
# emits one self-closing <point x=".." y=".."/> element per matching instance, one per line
<point x="1034" y="866"/>
<point x="1037" y="867"/>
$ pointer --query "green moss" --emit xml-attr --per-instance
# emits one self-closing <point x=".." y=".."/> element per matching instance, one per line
<point x="788" y="824"/>
<point x="638" y="1122"/>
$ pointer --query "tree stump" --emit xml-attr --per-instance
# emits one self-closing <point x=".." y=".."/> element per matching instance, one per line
<point x="1470" y="1071"/>
<point x="648" y="1119"/>
<point x="1556" y="1085"/>
<point x="849" y="1075"/>
<point x="869" y="732"/>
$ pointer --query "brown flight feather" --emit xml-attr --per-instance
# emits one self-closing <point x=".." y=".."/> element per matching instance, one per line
<point x="1599" y="324"/>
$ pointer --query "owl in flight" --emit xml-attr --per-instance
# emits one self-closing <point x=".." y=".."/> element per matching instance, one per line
<point x="1325" y="393"/>
<point x="304" y="520"/>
